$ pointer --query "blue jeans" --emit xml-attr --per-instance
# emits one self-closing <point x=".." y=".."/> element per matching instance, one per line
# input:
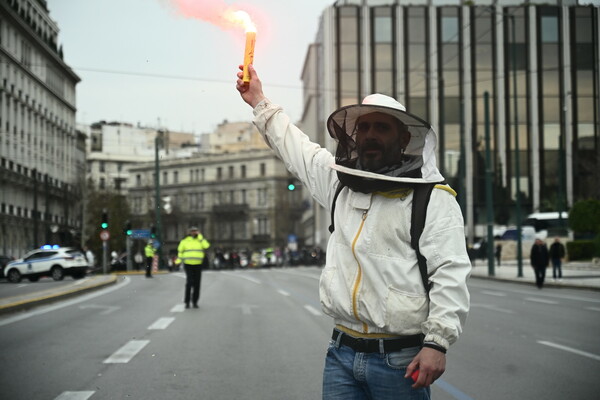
<point x="349" y="375"/>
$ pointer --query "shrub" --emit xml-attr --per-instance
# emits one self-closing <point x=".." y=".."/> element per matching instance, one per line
<point x="581" y="249"/>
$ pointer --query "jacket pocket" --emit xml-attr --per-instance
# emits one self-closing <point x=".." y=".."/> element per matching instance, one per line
<point x="405" y="311"/>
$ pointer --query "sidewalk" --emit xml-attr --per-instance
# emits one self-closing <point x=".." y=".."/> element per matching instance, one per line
<point x="80" y="286"/>
<point x="580" y="275"/>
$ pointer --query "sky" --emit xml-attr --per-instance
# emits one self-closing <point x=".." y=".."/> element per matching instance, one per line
<point x="146" y="62"/>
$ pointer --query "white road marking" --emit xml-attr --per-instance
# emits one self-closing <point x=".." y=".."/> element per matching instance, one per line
<point x="490" y="293"/>
<point x="127" y="352"/>
<point x="593" y="308"/>
<point x="283" y="292"/>
<point x="246" y="308"/>
<point x="178" y="308"/>
<point x="491" y="307"/>
<point x="75" y="395"/>
<point x="79" y="299"/>
<point x="571" y="350"/>
<point x="543" y="301"/>
<point x="287" y="271"/>
<point x="243" y="277"/>
<point x="105" y="309"/>
<point x="313" y="310"/>
<point x="162" y="323"/>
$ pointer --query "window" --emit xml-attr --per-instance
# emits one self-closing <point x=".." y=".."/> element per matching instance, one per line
<point x="263" y="169"/>
<point x="219" y="173"/>
<point x="243" y="171"/>
<point x="231" y="174"/>
<point x="175" y="177"/>
<point x="138" y="180"/>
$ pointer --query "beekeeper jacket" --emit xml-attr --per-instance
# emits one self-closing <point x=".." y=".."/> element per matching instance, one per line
<point x="371" y="281"/>
<point x="191" y="250"/>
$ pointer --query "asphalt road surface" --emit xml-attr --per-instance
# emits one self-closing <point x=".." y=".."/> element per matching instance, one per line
<point x="260" y="334"/>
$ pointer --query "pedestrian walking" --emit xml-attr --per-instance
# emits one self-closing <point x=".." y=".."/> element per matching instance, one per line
<point x="390" y="321"/>
<point x="192" y="252"/>
<point x="149" y="251"/>
<point x="539" y="261"/>
<point x="498" y="253"/>
<point x="557" y="253"/>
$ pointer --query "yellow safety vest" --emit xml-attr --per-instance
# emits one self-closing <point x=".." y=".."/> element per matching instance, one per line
<point x="191" y="250"/>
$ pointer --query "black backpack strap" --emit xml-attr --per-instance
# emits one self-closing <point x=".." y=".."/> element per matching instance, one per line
<point x="335" y="196"/>
<point x="420" y="200"/>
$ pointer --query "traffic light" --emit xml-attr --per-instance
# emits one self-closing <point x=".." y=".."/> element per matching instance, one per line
<point x="291" y="185"/>
<point x="152" y="231"/>
<point x="127" y="228"/>
<point x="104" y="224"/>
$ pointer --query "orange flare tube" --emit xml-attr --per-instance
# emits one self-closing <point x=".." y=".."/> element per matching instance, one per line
<point x="248" y="54"/>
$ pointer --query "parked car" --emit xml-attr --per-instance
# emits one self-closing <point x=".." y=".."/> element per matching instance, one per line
<point x="51" y="261"/>
<point x="3" y="261"/>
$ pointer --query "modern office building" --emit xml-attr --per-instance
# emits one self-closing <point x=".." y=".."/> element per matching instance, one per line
<point x="42" y="155"/>
<point x="537" y="61"/>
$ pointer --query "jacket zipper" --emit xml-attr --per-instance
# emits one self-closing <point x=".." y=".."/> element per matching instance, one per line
<point x="359" y="276"/>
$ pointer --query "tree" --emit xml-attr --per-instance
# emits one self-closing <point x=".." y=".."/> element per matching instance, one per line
<point x="584" y="218"/>
<point x="118" y="212"/>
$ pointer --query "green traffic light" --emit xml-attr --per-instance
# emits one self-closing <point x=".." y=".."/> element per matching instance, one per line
<point x="104" y="225"/>
<point x="129" y="232"/>
<point x="291" y="186"/>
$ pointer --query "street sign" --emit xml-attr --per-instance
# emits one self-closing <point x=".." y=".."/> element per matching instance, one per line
<point x="140" y="234"/>
<point x="104" y="235"/>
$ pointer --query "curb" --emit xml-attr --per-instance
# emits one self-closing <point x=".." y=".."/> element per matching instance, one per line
<point x="532" y="283"/>
<point x="36" y="299"/>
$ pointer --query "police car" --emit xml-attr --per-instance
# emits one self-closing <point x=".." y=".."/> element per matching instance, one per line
<point x="48" y="260"/>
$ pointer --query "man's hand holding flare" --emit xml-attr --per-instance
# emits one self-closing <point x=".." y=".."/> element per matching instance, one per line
<point x="251" y="92"/>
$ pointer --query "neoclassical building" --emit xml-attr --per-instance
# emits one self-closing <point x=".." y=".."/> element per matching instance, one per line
<point x="42" y="155"/>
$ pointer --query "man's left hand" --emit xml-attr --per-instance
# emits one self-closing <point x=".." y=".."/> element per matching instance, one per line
<point x="431" y="364"/>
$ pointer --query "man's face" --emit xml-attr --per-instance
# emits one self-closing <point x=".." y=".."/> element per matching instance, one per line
<point x="379" y="140"/>
<point x="194" y="233"/>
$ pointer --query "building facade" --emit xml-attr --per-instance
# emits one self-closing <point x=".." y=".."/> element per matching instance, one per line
<point x="42" y="154"/>
<point x="236" y="192"/>
<point x="536" y="60"/>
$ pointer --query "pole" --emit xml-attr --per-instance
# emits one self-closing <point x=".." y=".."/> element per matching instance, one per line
<point x="157" y="197"/>
<point x="442" y="128"/>
<point x="517" y="152"/>
<point x="489" y="199"/>
<point x="104" y="256"/>
<point x="128" y="244"/>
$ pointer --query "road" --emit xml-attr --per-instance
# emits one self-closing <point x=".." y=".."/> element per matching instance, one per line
<point x="260" y="334"/>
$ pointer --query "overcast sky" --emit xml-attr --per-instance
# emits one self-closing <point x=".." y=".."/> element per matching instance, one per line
<point x="142" y="61"/>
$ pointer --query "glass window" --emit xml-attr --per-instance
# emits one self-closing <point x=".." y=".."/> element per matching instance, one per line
<point x="485" y="82"/>
<point x="551" y="109"/>
<point x="585" y="109"/>
<point x="382" y="25"/>
<point x="416" y="57"/>
<point x="348" y="56"/>
<point x="451" y="110"/>
<point x="418" y="107"/>
<point x="549" y="29"/>
<point x="584" y="56"/>
<point x="551" y="83"/>
<point x="383" y="82"/>
<point x="583" y="29"/>
<point x="549" y="57"/>
<point x="383" y="56"/>
<point x="450" y="56"/>
<point x="551" y="136"/>
<point x="416" y="26"/>
<point x="484" y="56"/>
<point x="449" y="30"/>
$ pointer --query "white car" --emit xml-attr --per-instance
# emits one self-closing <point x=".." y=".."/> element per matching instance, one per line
<point x="51" y="261"/>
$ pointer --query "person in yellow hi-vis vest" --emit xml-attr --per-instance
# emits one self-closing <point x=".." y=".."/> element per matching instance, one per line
<point x="149" y="251"/>
<point x="191" y="253"/>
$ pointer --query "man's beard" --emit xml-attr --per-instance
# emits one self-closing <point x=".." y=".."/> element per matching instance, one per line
<point x="384" y="157"/>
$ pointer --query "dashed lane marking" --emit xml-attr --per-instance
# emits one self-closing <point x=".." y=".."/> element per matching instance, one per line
<point x="543" y="301"/>
<point x="75" y="395"/>
<point x="162" y="323"/>
<point x="178" y="308"/>
<point x="313" y="310"/>
<point x="283" y="292"/>
<point x="127" y="352"/>
<point x="570" y="349"/>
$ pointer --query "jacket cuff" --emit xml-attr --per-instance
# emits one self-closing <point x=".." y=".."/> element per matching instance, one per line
<point x="437" y="340"/>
